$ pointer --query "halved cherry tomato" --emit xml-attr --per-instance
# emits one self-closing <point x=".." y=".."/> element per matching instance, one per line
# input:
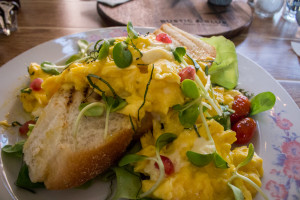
<point x="188" y="72"/>
<point x="36" y="84"/>
<point x="24" y="128"/>
<point x="244" y="129"/>
<point x="241" y="105"/>
<point x="164" y="38"/>
<point x="169" y="167"/>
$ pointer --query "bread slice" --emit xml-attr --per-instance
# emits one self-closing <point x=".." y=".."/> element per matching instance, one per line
<point x="61" y="160"/>
<point x="197" y="49"/>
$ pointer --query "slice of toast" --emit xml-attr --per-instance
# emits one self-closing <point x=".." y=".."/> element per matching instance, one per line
<point x="61" y="160"/>
<point x="197" y="49"/>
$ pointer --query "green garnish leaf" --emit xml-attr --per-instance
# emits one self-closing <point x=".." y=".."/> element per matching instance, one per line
<point x="95" y="111"/>
<point x="14" y="150"/>
<point x="104" y="49"/>
<point x="237" y="192"/>
<point x="116" y="102"/>
<point x="73" y="58"/>
<point x="220" y="162"/>
<point x="262" y="102"/>
<point x="189" y="116"/>
<point x="108" y="175"/>
<point x="49" y="68"/>
<point x="128" y="183"/>
<point x="83" y="46"/>
<point x="26" y="90"/>
<point x="30" y="128"/>
<point x="200" y="160"/>
<point x="224" y="120"/>
<point x="164" y="139"/>
<point x="206" y="70"/>
<point x="146" y="91"/>
<point x="197" y="66"/>
<point x="16" y="123"/>
<point x="134" y="147"/>
<point x="24" y="181"/>
<point x="224" y="70"/>
<point x="111" y="41"/>
<point x="131" y="158"/>
<point x="178" y="53"/>
<point x="196" y="130"/>
<point x="132" y="34"/>
<point x="122" y="56"/>
<point x="189" y="89"/>
<point x="249" y="156"/>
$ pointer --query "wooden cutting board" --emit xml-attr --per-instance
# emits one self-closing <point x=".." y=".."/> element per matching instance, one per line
<point x="194" y="16"/>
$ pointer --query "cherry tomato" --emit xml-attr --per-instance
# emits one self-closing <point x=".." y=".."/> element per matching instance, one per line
<point x="24" y="128"/>
<point x="36" y="84"/>
<point x="241" y="105"/>
<point x="164" y="38"/>
<point x="169" y="167"/>
<point x="244" y="129"/>
<point x="187" y="73"/>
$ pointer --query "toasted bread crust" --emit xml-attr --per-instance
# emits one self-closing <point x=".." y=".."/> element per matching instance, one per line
<point x="75" y="168"/>
<point x="196" y="48"/>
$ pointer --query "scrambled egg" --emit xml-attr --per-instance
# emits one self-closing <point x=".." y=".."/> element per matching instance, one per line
<point x="188" y="181"/>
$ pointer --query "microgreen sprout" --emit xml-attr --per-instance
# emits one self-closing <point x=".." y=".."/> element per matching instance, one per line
<point x="146" y="91"/>
<point x="26" y="90"/>
<point x="30" y="128"/>
<point x="161" y="141"/>
<point x="236" y="191"/>
<point x="83" y="111"/>
<point x="121" y="54"/>
<point x="112" y="103"/>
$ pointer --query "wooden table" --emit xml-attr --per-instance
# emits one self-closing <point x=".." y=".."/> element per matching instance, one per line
<point x="267" y="41"/>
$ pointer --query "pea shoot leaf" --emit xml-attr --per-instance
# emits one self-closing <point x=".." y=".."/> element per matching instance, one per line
<point x="196" y="65"/>
<point x="83" y="46"/>
<point x="200" y="160"/>
<point x="104" y="50"/>
<point x="238" y="194"/>
<point x="132" y="34"/>
<point x="26" y="90"/>
<point x="94" y="111"/>
<point x="131" y="158"/>
<point x="249" y="156"/>
<point x="189" y="89"/>
<point x="220" y="162"/>
<point x="262" y="102"/>
<point x="224" y="120"/>
<point x="178" y="53"/>
<point x="189" y="116"/>
<point x="14" y="150"/>
<point x="49" y="68"/>
<point x="164" y="139"/>
<point x="121" y="55"/>
<point x="114" y="102"/>
<point x="128" y="183"/>
<point x="73" y="58"/>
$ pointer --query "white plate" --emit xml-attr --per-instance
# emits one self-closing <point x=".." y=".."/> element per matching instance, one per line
<point x="278" y="142"/>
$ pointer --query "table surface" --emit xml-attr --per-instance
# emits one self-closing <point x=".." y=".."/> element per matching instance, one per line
<point x="267" y="41"/>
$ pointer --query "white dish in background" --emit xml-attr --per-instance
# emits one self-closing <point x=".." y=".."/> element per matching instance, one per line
<point x="278" y="142"/>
